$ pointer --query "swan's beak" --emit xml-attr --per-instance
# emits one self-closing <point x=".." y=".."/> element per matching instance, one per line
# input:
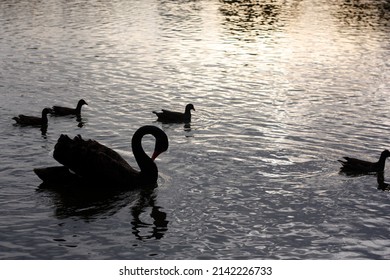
<point x="155" y="154"/>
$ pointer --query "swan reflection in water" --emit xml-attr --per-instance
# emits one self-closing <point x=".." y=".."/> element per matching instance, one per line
<point x="101" y="204"/>
<point x="160" y="222"/>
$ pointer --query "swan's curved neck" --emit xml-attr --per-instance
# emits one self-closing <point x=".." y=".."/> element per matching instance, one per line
<point x="145" y="163"/>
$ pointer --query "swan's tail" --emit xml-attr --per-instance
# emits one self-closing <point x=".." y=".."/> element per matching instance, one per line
<point x="55" y="174"/>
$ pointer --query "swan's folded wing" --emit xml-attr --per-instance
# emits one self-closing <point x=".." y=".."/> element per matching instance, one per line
<point x="99" y="165"/>
<point x="95" y="146"/>
<point x="91" y="159"/>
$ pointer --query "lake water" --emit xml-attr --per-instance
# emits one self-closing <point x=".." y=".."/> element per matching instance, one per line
<point x="282" y="90"/>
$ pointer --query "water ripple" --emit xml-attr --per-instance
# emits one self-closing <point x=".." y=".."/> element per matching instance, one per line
<point x="282" y="89"/>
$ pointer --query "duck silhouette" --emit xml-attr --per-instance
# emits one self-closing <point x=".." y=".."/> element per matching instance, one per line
<point x="353" y="165"/>
<point x="65" y="111"/>
<point x="32" y="120"/>
<point x="167" y="116"/>
<point x="95" y="164"/>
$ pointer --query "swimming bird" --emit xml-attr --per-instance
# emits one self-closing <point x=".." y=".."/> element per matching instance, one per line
<point x="92" y="162"/>
<point x="353" y="165"/>
<point x="65" y="111"/>
<point x="32" y="120"/>
<point x="167" y="116"/>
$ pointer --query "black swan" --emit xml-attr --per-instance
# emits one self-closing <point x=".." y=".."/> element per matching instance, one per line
<point x="175" y="117"/>
<point x="91" y="162"/>
<point x="32" y="120"/>
<point x="353" y="165"/>
<point x="64" y="111"/>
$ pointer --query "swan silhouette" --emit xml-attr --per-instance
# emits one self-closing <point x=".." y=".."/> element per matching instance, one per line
<point x="167" y="116"/>
<point x="32" y="120"/>
<point x="91" y="162"/>
<point x="65" y="111"/>
<point x="353" y="165"/>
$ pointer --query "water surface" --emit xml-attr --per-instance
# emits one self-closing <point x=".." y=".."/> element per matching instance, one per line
<point x="282" y="89"/>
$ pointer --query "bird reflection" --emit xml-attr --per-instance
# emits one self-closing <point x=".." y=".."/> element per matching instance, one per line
<point x="168" y="126"/>
<point x="80" y="121"/>
<point x="160" y="223"/>
<point x="253" y="17"/>
<point x="380" y="178"/>
<point x="361" y="13"/>
<point x="382" y="185"/>
<point x="91" y="204"/>
<point x="187" y="127"/>
<point x="44" y="131"/>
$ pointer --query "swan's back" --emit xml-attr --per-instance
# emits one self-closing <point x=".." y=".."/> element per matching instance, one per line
<point x="93" y="161"/>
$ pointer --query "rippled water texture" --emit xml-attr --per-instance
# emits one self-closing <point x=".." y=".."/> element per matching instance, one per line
<point x="282" y="89"/>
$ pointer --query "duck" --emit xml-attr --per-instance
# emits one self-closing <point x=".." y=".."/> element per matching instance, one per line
<point x="353" y="165"/>
<point x="167" y="116"/>
<point x="32" y="120"/>
<point x="96" y="164"/>
<point x="65" y="111"/>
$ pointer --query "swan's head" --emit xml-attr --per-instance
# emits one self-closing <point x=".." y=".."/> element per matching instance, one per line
<point x="160" y="136"/>
<point x="161" y="142"/>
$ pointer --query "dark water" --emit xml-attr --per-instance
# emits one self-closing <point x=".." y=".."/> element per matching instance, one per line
<point x="282" y="89"/>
